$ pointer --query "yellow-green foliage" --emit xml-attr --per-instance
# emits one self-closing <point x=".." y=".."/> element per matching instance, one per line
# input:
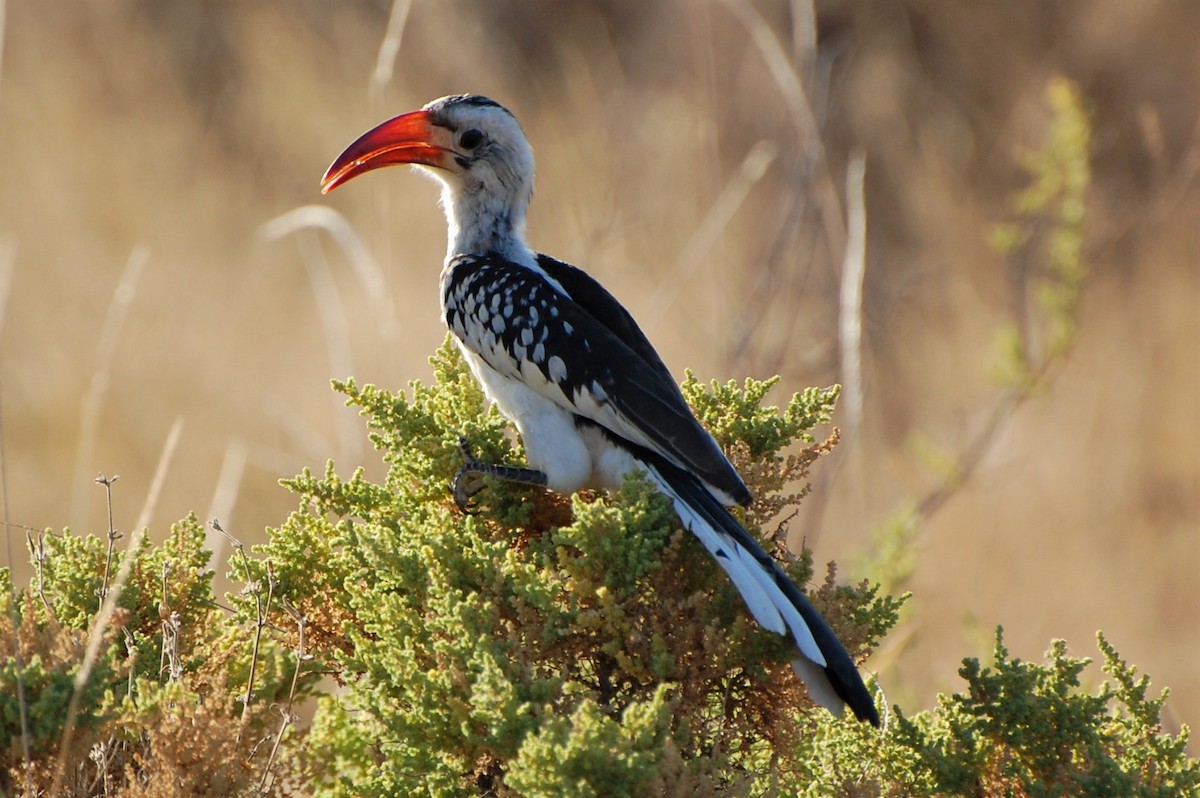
<point x="543" y="646"/>
<point x="1024" y="728"/>
<point x="1045" y="242"/>
<point x="156" y="715"/>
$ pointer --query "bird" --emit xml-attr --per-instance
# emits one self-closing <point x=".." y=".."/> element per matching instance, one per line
<point x="567" y="364"/>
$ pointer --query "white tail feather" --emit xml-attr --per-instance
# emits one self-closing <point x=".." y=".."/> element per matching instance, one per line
<point x="727" y="554"/>
<point x="800" y="631"/>
<point x="767" y="603"/>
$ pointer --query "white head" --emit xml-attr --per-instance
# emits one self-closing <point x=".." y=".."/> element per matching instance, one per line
<point x="479" y="153"/>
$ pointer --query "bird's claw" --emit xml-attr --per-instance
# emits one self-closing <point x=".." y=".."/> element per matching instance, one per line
<point x="467" y="482"/>
<point x="466" y="485"/>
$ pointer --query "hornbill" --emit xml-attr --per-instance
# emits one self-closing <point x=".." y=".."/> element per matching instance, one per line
<point x="568" y="365"/>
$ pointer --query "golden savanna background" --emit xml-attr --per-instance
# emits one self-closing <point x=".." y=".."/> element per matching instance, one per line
<point x="694" y="156"/>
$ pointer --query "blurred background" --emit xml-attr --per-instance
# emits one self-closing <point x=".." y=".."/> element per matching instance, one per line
<point x="156" y="273"/>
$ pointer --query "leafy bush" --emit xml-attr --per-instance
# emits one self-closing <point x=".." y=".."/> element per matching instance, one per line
<point x="156" y="713"/>
<point x="542" y="646"/>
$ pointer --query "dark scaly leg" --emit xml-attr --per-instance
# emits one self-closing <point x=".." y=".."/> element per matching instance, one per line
<point x="467" y="480"/>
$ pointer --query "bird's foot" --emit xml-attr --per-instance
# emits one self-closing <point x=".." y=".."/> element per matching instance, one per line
<point x="468" y="480"/>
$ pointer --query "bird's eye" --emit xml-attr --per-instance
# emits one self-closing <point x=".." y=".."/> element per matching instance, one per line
<point x="471" y="139"/>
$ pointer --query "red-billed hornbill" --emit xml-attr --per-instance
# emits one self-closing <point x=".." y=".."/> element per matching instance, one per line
<point x="567" y="364"/>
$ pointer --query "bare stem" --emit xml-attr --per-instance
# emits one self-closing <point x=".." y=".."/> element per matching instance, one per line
<point x="262" y="610"/>
<point x="37" y="551"/>
<point x="107" y="482"/>
<point x="288" y="718"/>
<point x="131" y="650"/>
<point x="302" y="626"/>
<point x="168" y="659"/>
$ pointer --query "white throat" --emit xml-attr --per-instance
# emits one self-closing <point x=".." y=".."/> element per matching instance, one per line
<point x="482" y="220"/>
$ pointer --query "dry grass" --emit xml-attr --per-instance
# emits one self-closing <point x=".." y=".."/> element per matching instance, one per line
<point x="186" y="128"/>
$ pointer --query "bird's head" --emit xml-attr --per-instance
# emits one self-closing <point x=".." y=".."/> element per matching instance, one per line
<point x="473" y="145"/>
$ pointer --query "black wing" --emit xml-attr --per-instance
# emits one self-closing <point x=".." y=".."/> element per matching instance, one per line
<point x="581" y="349"/>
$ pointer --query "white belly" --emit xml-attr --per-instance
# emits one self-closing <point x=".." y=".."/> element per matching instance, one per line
<point x="553" y="444"/>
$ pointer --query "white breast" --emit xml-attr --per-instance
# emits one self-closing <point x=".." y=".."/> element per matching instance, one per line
<point x="552" y="442"/>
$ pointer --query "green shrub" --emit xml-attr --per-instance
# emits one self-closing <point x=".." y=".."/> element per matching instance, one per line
<point x="157" y="713"/>
<point x="545" y="645"/>
<point x="542" y="646"/>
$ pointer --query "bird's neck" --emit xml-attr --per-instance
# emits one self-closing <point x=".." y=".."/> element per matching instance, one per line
<point x="480" y="223"/>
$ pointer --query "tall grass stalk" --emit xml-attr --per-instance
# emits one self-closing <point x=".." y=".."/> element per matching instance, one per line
<point x="389" y="48"/>
<point x="229" y="481"/>
<point x="160" y="474"/>
<point x="330" y="308"/>
<point x="8" y="249"/>
<point x="791" y="84"/>
<point x="854" y="271"/>
<point x="364" y="265"/>
<point x="691" y="257"/>
<point x="106" y="349"/>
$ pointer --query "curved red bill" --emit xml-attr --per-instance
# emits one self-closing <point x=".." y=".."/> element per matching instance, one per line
<point x="407" y="138"/>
